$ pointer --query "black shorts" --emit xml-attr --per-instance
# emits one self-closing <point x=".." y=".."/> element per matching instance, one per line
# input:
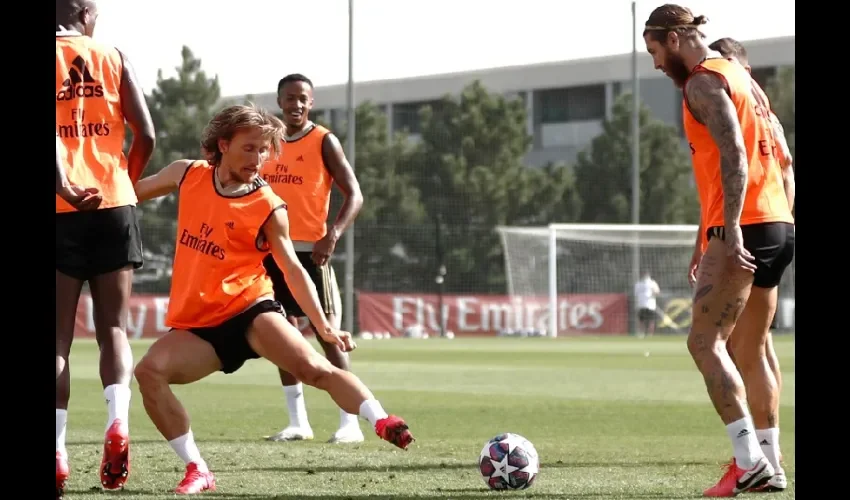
<point x="772" y="245"/>
<point x="322" y="277"/>
<point x="645" y="314"/>
<point x="230" y="339"/>
<point x="89" y="244"/>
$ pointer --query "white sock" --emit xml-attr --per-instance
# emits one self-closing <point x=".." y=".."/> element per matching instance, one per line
<point x="372" y="411"/>
<point x="347" y="419"/>
<point x="769" y="441"/>
<point x="61" y="422"/>
<point x="297" y="407"/>
<point x="742" y="433"/>
<point x="188" y="451"/>
<point x="117" y="404"/>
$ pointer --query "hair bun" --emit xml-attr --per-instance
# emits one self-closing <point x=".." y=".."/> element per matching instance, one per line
<point x="700" y="20"/>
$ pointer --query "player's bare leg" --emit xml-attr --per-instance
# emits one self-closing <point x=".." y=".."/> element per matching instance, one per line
<point x="110" y="294"/>
<point x="67" y="296"/>
<point x="751" y="335"/>
<point x="179" y="357"/>
<point x="276" y="340"/>
<point x="299" y="428"/>
<point x="722" y="290"/>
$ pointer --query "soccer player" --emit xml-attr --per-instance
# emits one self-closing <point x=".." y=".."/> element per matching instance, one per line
<point x="97" y="236"/>
<point x="748" y="225"/>
<point x="646" y="292"/>
<point x="221" y="307"/>
<point x="766" y="419"/>
<point x="304" y="174"/>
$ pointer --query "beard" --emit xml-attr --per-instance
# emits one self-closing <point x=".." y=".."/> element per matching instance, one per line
<point x="676" y="70"/>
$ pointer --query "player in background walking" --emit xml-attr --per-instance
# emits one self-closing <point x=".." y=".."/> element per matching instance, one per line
<point x="221" y="307"/>
<point x="748" y="225"/>
<point x="97" y="235"/>
<point x="646" y="293"/>
<point x="304" y="175"/>
<point x="768" y="437"/>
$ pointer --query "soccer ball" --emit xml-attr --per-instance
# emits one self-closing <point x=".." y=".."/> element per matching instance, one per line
<point x="508" y="462"/>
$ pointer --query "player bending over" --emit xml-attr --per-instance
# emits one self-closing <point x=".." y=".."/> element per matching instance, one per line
<point x="97" y="236"/>
<point x="221" y="307"/>
<point x="765" y="409"/>
<point x="749" y="229"/>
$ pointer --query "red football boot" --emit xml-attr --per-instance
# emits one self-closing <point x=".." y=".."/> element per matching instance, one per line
<point x="737" y="480"/>
<point x="195" y="481"/>
<point x="394" y="430"/>
<point x="115" y="466"/>
<point x="62" y="474"/>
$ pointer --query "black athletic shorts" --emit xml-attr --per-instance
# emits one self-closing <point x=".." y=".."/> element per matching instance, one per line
<point x="97" y="242"/>
<point x="230" y="339"/>
<point x="772" y="245"/>
<point x="322" y="277"/>
<point x="645" y="314"/>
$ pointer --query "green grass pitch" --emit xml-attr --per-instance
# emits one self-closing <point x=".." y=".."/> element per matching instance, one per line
<point x="612" y="418"/>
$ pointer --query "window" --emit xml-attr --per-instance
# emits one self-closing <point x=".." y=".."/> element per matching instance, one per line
<point x="571" y="104"/>
<point x="406" y="115"/>
<point x="764" y="75"/>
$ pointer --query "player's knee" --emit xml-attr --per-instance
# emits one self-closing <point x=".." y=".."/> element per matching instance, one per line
<point x="149" y="374"/>
<point x="702" y="345"/>
<point x="313" y="371"/>
<point x="110" y="337"/>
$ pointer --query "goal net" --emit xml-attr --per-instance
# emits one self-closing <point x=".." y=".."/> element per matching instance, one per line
<point x="587" y="273"/>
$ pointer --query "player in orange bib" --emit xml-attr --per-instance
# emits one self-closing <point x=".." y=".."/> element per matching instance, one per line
<point x="221" y="307"/>
<point x="97" y="235"/>
<point x="748" y="225"/>
<point x="766" y="419"/>
<point x="304" y="174"/>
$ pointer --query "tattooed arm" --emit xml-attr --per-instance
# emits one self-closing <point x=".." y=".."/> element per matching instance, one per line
<point x="711" y="105"/>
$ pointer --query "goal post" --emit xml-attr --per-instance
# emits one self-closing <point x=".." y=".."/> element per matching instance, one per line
<point x="586" y="273"/>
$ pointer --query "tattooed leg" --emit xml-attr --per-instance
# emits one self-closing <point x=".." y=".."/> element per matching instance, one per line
<point x="721" y="293"/>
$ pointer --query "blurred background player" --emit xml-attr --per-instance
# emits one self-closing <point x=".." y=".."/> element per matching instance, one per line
<point x="748" y="224"/>
<point x="766" y="419"/>
<point x="96" y="92"/>
<point x="646" y="293"/>
<point x="222" y="309"/>
<point x="304" y="174"/>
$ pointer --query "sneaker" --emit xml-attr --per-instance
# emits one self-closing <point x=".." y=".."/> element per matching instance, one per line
<point x="62" y="474"/>
<point x="346" y="435"/>
<point x="394" y="430"/>
<point x="115" y="466"/>
<point x="292" y="434"/>
<point x="195" y="481"/>
<point x="736" y="480"/>
<point x="777" y="482"/>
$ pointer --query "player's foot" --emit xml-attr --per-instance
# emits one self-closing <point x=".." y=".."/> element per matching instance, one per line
<point x="115" y="466"/>
<point x="777" y="482"/>
<point x="736" y="480"/>
<point x="347" y="434"/>
<point x="394" y="430"/>
<point x="292" y="434"/>
<point x="62" y="474"/>
<point x="195" y="481"/>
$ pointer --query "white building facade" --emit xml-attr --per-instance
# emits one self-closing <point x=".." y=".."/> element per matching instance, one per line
<point x="566" y="101"/>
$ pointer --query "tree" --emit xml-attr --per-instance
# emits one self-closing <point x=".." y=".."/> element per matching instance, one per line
<point x="470" y="170"/>
<point x="391" y="205"/>
<point x="604" y="172"/>
<point x="780" y="90"/>
<point x="181" y="107"/>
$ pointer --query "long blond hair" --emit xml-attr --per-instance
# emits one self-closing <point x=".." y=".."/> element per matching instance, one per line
<point x="232" y="119"/>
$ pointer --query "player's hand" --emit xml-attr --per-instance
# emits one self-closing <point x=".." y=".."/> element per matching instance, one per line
<point x="81" y="198"/>
<point x="692" y="270"/>
<point x="339" y="338"/>
<point x="324" y="248"/>
<point x="735" y="250"/>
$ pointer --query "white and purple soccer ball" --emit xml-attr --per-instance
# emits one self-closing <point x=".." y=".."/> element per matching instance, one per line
<point x="508" y="462"/>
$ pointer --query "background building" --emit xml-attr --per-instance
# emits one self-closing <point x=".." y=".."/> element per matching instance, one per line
<point x="566" y="101"/>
